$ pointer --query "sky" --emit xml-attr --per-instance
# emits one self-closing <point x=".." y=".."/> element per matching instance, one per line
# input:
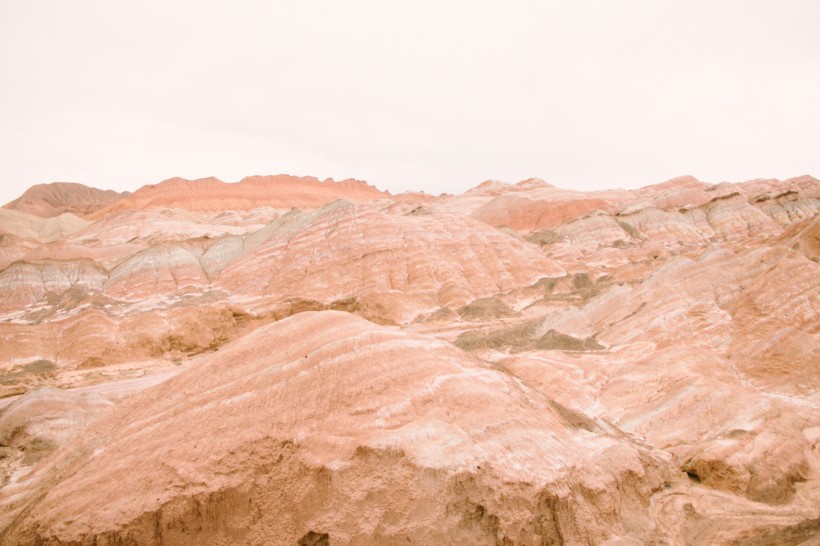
<point x="431" y="96"/>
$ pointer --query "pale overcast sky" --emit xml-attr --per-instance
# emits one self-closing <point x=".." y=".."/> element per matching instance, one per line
<point x="434" y="96"/>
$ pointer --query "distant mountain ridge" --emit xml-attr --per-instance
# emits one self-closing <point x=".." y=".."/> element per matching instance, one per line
<point x="56" y="198"/>
<point x="277" y="191"/>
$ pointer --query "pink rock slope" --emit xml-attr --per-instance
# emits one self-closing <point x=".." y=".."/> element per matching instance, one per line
<point x="288" y="361"/>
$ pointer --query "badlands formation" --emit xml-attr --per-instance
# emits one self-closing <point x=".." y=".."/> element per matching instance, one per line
<point x="291" y="361"/>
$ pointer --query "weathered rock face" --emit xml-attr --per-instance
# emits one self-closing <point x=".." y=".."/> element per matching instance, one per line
<point x="46" y="353"/>
<point x="37" y="424"/>
<point x="158" y="270"/>
<point x="47" y="200"/>
<point x="525" y="214"/>
<point x="154" y="226"/>
<point x="28" y="283"/>
<point x="552" y="366"/>
<point x="713" y="359"/>
<point x="13" y="248"/>
<point x="446" y="449"/>
<point x="412" y="262"/>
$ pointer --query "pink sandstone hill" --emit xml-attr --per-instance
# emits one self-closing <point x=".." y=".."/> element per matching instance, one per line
<point x="211" y="194"/>
<point x="399" y="264"/>
<point x="34" y="228"/>
<point x="420" y="436"/>
<point x="288" y="361"/>
<point x="48" y="200"/>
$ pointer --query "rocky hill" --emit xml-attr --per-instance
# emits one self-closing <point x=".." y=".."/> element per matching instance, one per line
<point x="283" y="360"/>
<point x="47" y="200"/>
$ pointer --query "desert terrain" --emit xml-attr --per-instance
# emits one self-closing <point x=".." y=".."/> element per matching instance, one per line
<point x="286" y="360"/>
